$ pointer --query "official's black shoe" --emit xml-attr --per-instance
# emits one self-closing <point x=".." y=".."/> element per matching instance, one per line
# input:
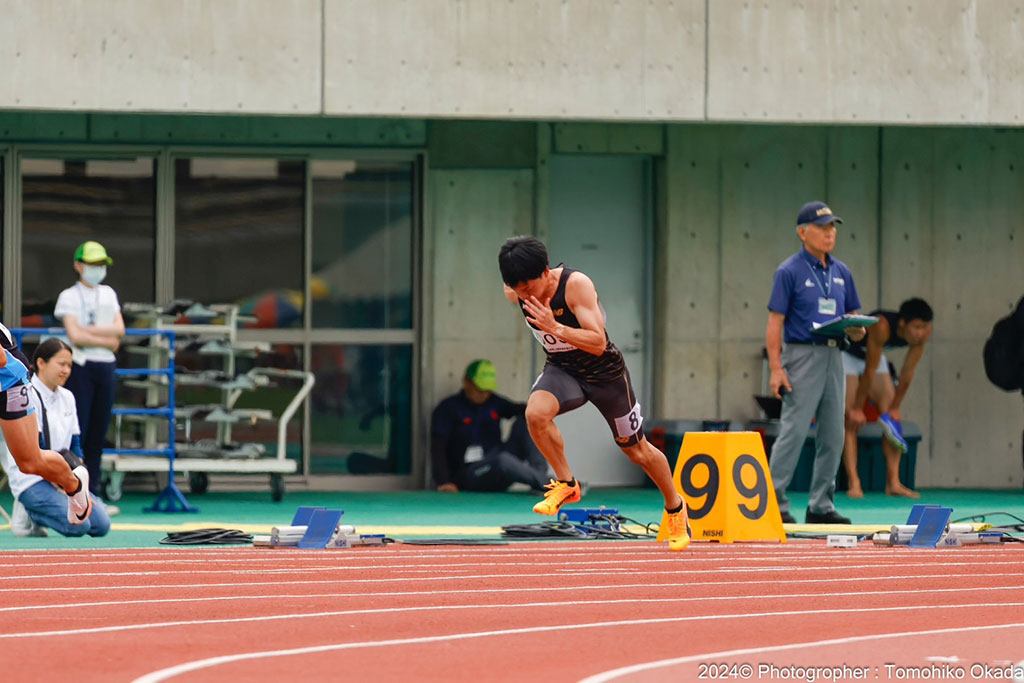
<point x="830" y="517"/>
<point x="788" y="518"/>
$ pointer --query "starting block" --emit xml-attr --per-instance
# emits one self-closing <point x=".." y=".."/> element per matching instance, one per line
<point x="931" y="527"/>
<point x="322" y="526"/>
<point x="928" y="526"/>
<point x="302" y="515"/>
<point x="317" y="528"/>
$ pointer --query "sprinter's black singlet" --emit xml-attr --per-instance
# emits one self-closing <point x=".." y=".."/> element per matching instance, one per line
<point x="577" y="362"/>
<point x="858" y="349"/>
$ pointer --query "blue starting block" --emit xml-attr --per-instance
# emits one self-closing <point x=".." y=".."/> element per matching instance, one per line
<point x="320" y="528"/>
<point x="931" y="527"/>
<point x="303" y="513"/>
<point x="915" y="512"/>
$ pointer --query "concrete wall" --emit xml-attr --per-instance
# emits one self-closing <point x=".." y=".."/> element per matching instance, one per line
<point x="928" y="212"/>
<point x="473" y="212"/>
<point x="840" y="61"/>
<point x="252" y="56"/>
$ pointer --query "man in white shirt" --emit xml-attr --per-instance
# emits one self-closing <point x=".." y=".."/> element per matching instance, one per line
<point x="91" y="314"/>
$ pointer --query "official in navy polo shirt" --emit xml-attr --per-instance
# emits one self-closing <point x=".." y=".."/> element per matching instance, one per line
<point x="807" y="371"/>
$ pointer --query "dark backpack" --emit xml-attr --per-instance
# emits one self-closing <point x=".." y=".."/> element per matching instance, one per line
<point x="1004" y="351"/>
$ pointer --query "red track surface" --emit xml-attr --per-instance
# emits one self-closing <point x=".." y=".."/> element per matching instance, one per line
<point x="508" y="613"/>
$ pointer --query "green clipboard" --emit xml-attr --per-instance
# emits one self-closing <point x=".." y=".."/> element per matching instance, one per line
<point x="837" y="326"/>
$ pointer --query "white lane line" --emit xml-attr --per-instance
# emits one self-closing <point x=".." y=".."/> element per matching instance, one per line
<point x="277" y="597"/>
<point x="616" y="563"/>
<point x="686" y="584"/>
<point x="637" y="668"/>
<point x="170" y="672"/>
<point x="658" y="553"/>
<point x="441" y="608"/>
<point x="519" y="577"/>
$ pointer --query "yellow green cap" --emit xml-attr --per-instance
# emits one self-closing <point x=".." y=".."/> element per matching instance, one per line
<point x="483" y="374"/>
<point x="92" y="252"/>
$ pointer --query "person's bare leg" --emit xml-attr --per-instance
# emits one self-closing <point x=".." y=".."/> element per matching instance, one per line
<point x="886" y="392"/>
<point x="541" y="409"/>
<point x="893" y="485"/>
<point x="853" y="487"/>
<point x="22" y="436"/>
<point x="655" y="464"/>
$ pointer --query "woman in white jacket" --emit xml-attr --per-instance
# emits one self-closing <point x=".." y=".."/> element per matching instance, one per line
<point x="38" y="503"/>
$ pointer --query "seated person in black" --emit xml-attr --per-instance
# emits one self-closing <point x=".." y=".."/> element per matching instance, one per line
<point x="466" y="449"/>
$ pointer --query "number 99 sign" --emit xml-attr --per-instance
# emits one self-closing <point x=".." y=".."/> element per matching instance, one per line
<point x="725" y="481"/>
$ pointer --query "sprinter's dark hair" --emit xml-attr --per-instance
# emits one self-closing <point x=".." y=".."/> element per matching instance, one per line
<point x="522" y="258"/>
<point x="915" y="309"/>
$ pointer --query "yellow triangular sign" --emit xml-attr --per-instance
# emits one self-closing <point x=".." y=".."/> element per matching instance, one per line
<point x="725" y="481"/>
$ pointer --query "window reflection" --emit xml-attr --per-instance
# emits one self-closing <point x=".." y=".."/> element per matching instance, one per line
<point x="200" y="388"/>
<point x="361" y="415"/>
<point x="362" y="244"/>
<point x="238" y="236"/>
<point x="68" y="201"/>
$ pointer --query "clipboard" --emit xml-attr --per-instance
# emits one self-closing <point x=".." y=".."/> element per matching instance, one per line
<point x="836" y="327"/>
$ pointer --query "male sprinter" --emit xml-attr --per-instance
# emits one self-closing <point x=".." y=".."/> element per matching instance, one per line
<point x="867" y="376"/>
<point x="563" y="312"/>
<point x="21" y="432"/>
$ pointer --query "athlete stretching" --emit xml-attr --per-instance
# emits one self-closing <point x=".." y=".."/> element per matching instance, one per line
<point x="563" y="312"/>
<point x="21" y="432"/>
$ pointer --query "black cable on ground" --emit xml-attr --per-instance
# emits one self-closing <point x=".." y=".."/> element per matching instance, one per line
<point x="981" y="518"/>
<point x="543" y="530"/>
<point x="207" y="537"/>
<point x="448" y="541"/>
<point x="600" y="527"/>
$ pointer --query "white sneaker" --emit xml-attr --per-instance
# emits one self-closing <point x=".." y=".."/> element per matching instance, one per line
<point x="112" y="510"/>
<point x="80" y="504"/>
<point x="22" y="525"/>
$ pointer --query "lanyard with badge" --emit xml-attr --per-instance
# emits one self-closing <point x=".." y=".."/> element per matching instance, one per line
<point x="826" y="304"/>
<point x="474" y="452"/>
<point x="90" y="314"/>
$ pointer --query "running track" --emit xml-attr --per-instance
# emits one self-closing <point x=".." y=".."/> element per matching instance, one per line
<point x="568" y="611"/>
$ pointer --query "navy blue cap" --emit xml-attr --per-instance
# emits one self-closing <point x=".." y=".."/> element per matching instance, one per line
<point x="817" y="213"/>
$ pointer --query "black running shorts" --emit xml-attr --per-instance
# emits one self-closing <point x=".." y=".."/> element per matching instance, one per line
<point x="615" y="399"/>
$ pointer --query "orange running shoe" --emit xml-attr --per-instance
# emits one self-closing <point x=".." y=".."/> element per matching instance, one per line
<point x="678" y="530"/>
<point x="558" y="494"/>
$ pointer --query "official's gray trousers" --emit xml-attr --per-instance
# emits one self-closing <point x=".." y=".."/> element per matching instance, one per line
<point x="819" y="391"/>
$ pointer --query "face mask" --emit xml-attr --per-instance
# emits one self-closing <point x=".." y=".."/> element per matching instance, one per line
<point x="94" y="275"/>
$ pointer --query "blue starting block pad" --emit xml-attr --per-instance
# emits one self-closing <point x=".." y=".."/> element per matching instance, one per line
<point x="931" y="527"/>
<point x="320" y="528"/>
<point x="303" y="513"/>
<point x="915" y="512"/>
